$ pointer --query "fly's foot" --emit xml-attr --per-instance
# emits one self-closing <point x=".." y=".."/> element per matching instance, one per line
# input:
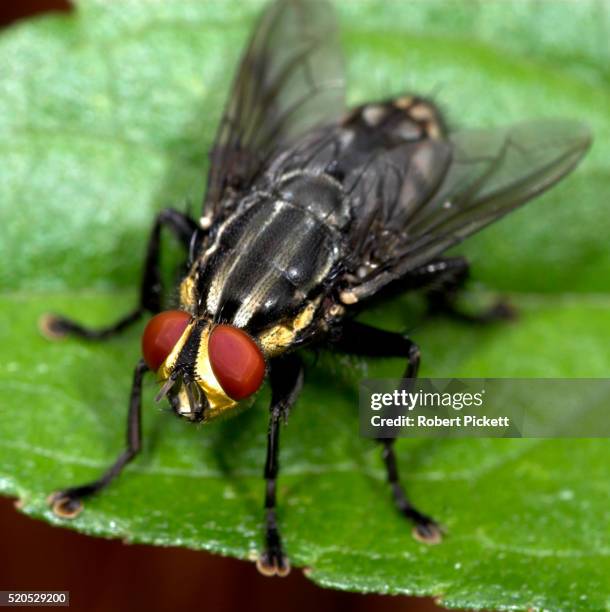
<point x="272" y="561"/>
<point x="427" y="531"/>
<point x="53" y="327"/>
<point x="65" y="505"/>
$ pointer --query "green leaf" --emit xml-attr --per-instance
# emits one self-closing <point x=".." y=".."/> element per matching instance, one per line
<point x="106" y="116"/>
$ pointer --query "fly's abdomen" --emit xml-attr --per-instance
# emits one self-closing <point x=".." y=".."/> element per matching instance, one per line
<point x="275" y="255"/>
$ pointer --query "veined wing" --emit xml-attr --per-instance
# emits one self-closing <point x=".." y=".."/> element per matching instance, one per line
<point x="290" y="80"/>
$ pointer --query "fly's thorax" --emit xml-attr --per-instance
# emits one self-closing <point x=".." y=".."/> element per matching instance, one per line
<point x="267" y="262"/>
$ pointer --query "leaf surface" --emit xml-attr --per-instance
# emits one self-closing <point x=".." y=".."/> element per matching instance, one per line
<point x="106" y="116"/>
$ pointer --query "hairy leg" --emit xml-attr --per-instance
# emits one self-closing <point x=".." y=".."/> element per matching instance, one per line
<point x="67" y="503"/>
<point x="360" y="339"/>
<point x="286" y="379"/>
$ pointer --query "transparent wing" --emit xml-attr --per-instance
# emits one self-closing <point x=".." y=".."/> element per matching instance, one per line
<point x="290" y="80"/>
<point x="452" y="188"/>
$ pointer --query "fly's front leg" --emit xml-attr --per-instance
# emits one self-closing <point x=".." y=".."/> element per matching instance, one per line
<point x="286" y="379"/>
<point x="182" y="227"/>
<point x="360" y="339"/>
<point x="67" y="503"/>
<point x="443" y="279"/>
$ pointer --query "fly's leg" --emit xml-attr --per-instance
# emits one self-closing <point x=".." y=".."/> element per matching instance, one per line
<point x="286" y="379"/>
<point x="425" y="529"/>
<point x="360" y="339"/>
<point x="67" y="503"/>
<point x="442" y="279"/>
<point x="55" y="326"/>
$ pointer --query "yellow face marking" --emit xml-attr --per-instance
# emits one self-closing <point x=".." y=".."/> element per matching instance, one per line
<point x="167" y="367"/>
<point x="218" y="400"/>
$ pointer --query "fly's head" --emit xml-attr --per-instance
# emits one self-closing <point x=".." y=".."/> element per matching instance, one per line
<point x="206" y="370"/>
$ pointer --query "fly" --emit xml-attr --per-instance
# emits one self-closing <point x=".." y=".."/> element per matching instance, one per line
<point x="311" y="211"/>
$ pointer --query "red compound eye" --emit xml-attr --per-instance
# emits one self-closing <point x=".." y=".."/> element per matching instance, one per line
<point x="236" y="361"/>
<point x="160" y="336"/>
